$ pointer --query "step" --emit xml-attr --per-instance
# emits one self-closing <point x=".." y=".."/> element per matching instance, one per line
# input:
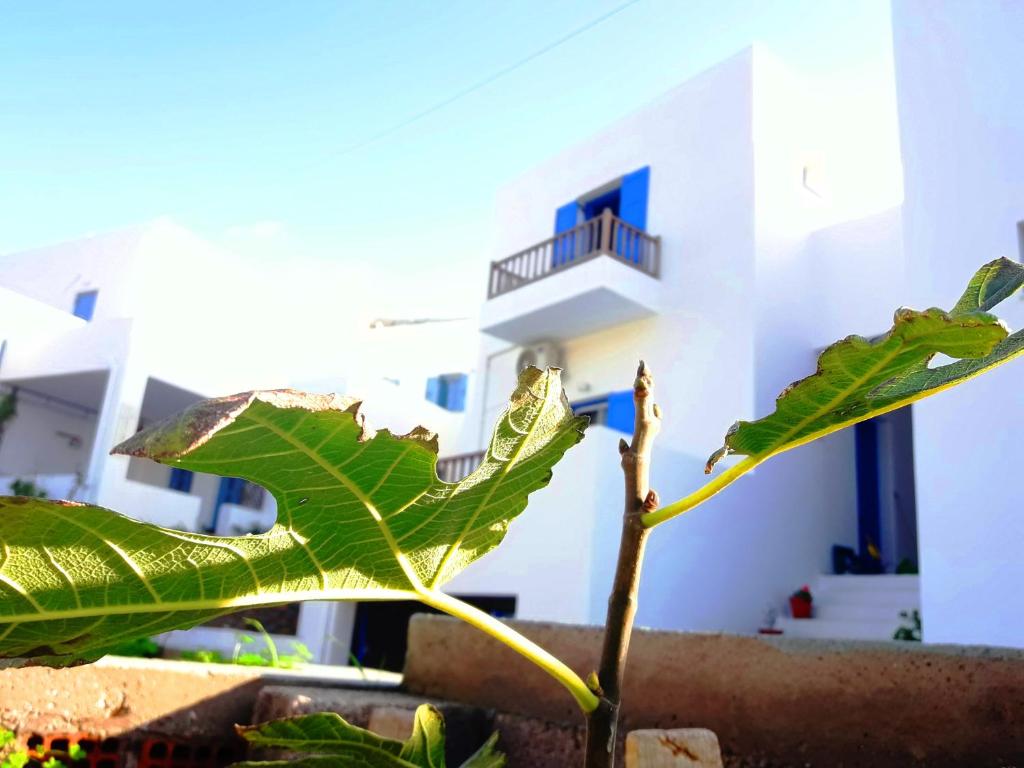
<point x="879" y="599"/>
<point x="848" y="611"/>
<point x="832" y="629"/>
<point x="879" y="583"/>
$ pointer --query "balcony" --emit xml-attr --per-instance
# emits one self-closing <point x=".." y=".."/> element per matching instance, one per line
<point x="600" y="273"/>
<point x="451" y="469"/>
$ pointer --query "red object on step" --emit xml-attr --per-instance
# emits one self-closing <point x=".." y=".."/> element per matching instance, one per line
<point x="800" y="608"/>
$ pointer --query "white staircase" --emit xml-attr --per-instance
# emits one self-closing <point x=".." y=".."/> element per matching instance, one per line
<point x="856" y="607"/>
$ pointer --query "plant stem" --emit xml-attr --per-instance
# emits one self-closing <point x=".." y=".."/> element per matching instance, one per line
<point x="702" y="494"/>
<point x="483" y="621"/>
<point x="622" y="603"/>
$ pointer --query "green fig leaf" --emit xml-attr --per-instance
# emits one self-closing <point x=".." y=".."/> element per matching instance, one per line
<point x="859" y="378"/>
<point x="361" y="515"/>
<point x="325" y="737"/>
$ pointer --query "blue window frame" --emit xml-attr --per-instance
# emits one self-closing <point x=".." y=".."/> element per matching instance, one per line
<point x="85" y="304"/>
<point x="614" y="410"/>
<point x="180" y="480"/>
<point x="448" y="391"/>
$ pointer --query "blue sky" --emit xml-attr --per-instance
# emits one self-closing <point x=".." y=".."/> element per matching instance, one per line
<point x="247" y="121"/>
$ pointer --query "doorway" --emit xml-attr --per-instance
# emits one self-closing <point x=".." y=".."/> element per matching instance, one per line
<point x="380" y="630"/>
<point x="886" y="494"/>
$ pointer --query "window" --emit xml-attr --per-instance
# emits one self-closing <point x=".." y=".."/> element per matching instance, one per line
<point x="380" y="628"/>
<point x="448" y="391"/>
<point x="614" y="410"/>
<point x="625" y="197"/>
<point x="610" y="201"/>
<point x="181" y="480"/>
<point x="596" y="410"/>
<point x="85" y="304"/>
<point x="235" y="490"/>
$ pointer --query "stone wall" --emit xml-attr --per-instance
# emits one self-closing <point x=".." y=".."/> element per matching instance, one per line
<point x="770" y="699"/>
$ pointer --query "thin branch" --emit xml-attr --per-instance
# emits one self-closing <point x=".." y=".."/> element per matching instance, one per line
<point x="622" y="603"/>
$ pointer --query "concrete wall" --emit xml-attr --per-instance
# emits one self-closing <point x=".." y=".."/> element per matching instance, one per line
<point x="959" y="82"/>
<point x="772" y="701"/>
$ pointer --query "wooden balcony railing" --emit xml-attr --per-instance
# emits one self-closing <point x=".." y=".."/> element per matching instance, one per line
<point x="451" y="469"/>
<point x="605" y="235"/>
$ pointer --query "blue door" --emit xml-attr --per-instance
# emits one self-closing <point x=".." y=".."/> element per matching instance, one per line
<point x="229" y="492"/>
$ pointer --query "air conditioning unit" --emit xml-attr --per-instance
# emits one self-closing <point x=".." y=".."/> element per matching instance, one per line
<point x="541" y="354"/>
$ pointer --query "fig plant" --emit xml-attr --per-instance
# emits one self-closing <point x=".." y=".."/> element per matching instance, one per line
<point x="362" y="514"/>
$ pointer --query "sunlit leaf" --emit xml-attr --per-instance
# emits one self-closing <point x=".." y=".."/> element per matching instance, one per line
<point x="326" y="739"/>
<point x="858" y="378"/>
<point x="325" y="734"/>
<point x="362" y="515"/>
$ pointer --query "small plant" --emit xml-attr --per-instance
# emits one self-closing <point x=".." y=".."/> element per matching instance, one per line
<point x="27" y="488"/>
<point x="205" y="656"/>
<point x="267" y="657"/>
<point x="11" y="757"/>
<point x="800" y="603"/>
<point x="329" y="742"/>
<point x="362" y="515"/>
<point x="803" y="594"/>
<point x="910" y="631"/>
<point x="8" y="409"/>
<point x="141" y="648"/>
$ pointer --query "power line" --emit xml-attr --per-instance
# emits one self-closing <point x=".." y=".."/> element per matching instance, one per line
<point x="485" y="81"/>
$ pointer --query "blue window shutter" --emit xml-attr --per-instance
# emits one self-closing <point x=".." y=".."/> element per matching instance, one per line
<point x="230" y="490"/>
<point x="566" y="218"/>
<point x="180" y="480"/>
<point x="633" y="210"/>
<point x="621" y="411"/>
<point x="457" y="392"/>
<point x="434" y="389"/>
<point x="85" y="304"/>
<point x="633" y="205"/>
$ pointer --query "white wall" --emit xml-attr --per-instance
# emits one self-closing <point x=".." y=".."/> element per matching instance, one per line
<point x="752" y="265"/>
<point x="697" y="141"/>
<point x="721" y="566"/>
<point x="960" y="76"/>
<point x="32" y="446"/>
<point x="67" y="487"/>
<point x="55" y="274"/>
<point x="160" y="506"/>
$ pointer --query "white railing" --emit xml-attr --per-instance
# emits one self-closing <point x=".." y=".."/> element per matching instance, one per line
<point x="236" y="520"/>
<point x="152" y="504"/>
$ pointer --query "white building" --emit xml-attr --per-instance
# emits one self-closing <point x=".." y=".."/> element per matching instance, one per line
<point x="753" y="220"/>
<point x="105" y="335"/>
<point x="743" y="238"/>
